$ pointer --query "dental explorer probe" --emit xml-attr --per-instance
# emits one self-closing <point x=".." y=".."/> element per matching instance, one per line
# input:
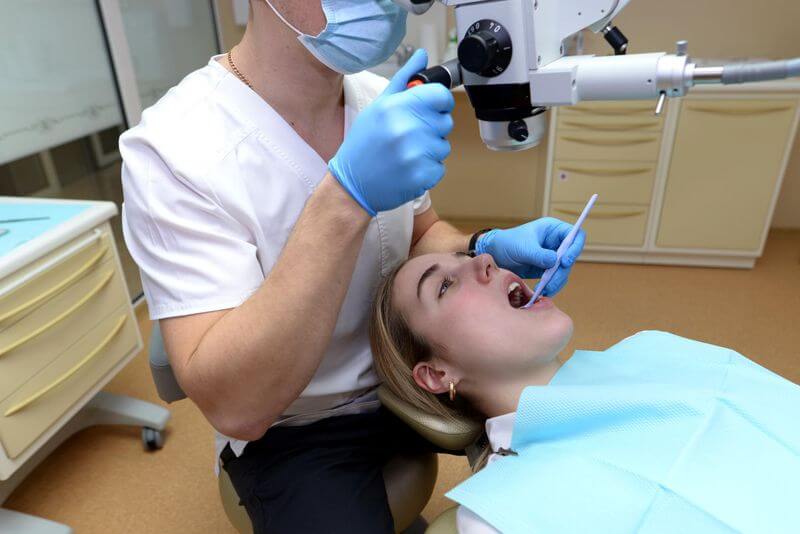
<point x="562" y="249"/>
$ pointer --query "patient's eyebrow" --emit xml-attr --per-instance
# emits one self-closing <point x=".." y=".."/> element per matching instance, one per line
<point x="432" y="269"/>
<point x="427" y="274"/>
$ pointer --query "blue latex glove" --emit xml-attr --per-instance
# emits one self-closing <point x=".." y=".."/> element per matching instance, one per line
<point x="394" y="150"/>
<point x="530" y="249"/>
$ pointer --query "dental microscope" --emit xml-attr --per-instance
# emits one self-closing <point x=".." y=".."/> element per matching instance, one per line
<point x="512" y="64"/>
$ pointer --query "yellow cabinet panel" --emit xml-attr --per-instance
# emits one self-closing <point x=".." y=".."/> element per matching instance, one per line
<point x="622" y="108"/>
<point x="610" y="225"/>
<point x="41" y="401"/>
<point x="608" y="146"/>
<point x="50" y="275"/>
<point x="36" y="339"/>
<point x="614" y="182"/>
<point x="726" y="161"/>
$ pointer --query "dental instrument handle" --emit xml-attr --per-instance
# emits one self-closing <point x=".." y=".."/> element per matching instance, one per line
<point x="562" y="249"/>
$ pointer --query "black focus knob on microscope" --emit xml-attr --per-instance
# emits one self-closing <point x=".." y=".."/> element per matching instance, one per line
<point x="477" y="52"/>
<point x="485" y="49"/>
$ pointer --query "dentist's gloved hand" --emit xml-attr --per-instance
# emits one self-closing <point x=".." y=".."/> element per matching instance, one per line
<point x="394" y="150"/>
<point x="530" y="249"/>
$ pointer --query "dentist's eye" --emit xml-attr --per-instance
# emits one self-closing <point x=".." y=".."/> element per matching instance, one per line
<point x="447" y="282"/>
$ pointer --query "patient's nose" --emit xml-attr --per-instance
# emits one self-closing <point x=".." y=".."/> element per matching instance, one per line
<point x="484" y="267"/>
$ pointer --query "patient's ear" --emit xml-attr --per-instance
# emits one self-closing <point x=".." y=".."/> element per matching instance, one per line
<point x="430" y="378"/>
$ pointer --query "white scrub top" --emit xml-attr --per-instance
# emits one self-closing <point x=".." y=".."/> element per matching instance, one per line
<point x="214" y="180"/>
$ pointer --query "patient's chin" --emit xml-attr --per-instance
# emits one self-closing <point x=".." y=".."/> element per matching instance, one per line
<point x="553" y="336"/>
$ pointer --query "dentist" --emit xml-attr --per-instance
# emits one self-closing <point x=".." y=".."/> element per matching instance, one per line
<point x="265" y="196"/>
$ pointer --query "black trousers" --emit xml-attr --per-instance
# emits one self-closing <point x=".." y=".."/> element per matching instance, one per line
<point x="325" y="477"/>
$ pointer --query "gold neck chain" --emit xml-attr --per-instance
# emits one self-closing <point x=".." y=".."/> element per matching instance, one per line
<point x="236" y="70"/>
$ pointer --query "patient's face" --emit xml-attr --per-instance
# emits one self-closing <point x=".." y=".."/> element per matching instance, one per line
<point x="462" y="304"/>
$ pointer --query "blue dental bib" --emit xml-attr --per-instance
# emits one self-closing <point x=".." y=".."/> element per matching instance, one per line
<point x="658" y="434"/>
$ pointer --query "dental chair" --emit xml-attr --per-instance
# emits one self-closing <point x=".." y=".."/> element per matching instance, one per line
<point x="449" y="435"/>
<point x="409" y="478"/>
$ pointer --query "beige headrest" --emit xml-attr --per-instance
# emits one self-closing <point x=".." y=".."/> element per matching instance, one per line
<point x="447" y="434"/>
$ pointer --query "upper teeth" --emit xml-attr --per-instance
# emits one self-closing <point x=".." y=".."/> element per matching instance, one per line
<point x="513" y="286"/>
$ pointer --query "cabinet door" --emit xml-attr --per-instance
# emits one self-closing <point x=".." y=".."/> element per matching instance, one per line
<point x="727" y="158"/>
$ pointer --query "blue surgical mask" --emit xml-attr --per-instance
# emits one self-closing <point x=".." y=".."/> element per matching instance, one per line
<point x="360" y="33"/>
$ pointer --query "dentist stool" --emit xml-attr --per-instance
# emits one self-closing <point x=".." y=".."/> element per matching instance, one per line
<point x="409" y="478"/>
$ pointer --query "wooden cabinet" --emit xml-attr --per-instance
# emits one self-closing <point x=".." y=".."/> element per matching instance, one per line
<point x="66" y="328"/>
<point x="612" y="149"/>
<point x="726" y="161"/>
<point x="696" y="186"/>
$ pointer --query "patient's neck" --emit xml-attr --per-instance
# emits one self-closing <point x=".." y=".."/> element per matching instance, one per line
<point x="499" y="397"/>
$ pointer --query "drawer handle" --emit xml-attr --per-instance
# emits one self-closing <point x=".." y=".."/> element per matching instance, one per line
<point x="603" y="215"/>
<point x="607" y="172"/>
<point x="613" y="111"/>
<point x="610" y="142"/>
<point x="61" y="317"/>
<point x="97" y="234"/>
<point x="55" y="289"/>
<point x="739" y="112"/>
<point x="66" y="376"/>
<point x="610" y="127"/>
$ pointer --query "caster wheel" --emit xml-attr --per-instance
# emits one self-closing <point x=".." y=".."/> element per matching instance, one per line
<point x="152" y="439"/>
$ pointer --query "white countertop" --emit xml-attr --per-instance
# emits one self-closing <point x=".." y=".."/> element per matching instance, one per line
<point x="97" y="213"/>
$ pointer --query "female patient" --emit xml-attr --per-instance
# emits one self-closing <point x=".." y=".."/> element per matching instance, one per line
<point x="656" y="434"/>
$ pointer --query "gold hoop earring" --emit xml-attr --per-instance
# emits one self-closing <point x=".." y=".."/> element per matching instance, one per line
<point x="452" y="391"/>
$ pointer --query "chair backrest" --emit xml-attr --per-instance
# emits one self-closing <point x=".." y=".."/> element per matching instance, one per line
<point x="450" y="435"/>
<point x="166" y="384"/>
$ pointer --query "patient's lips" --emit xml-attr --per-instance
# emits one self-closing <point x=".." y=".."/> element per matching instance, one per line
<point x="543" y="303"/>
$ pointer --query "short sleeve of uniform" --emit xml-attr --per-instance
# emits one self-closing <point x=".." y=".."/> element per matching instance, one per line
<point x="193" y="256"/>
<point x="422" y="204"/>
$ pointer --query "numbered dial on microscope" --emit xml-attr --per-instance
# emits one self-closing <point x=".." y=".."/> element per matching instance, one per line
<point x="485" y="49"/>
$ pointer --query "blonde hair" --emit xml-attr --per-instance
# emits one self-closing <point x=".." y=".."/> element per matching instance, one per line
<point x="396" y="349"/>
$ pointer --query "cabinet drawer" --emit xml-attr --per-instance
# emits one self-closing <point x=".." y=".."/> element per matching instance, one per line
<point x="611" y="117"/>
<point x="36" y="283"/>
<point x="620" y="109"/>
<point x="614" y="182"/>
<point x="41" y="401"/>
<point x="608" y="146"/>
<point x="605" y="124"/>
<point x="36" y="339"/>
<point x="613" y="225"/>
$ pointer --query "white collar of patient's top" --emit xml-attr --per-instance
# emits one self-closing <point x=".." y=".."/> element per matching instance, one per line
<point x="499" y="429"/>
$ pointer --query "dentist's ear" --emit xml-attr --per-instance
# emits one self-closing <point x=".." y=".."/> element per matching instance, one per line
<point x="432" y="379"/>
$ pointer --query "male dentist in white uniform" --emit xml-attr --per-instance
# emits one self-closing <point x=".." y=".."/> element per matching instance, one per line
<point x="265" y="196"/>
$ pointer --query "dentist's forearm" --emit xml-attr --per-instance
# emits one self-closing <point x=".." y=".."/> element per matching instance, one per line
<point x="258" y="358"/>
<point x="440" y="236"/>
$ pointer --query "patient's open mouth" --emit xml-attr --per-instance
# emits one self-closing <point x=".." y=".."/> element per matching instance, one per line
<point x="517" y="295"/>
